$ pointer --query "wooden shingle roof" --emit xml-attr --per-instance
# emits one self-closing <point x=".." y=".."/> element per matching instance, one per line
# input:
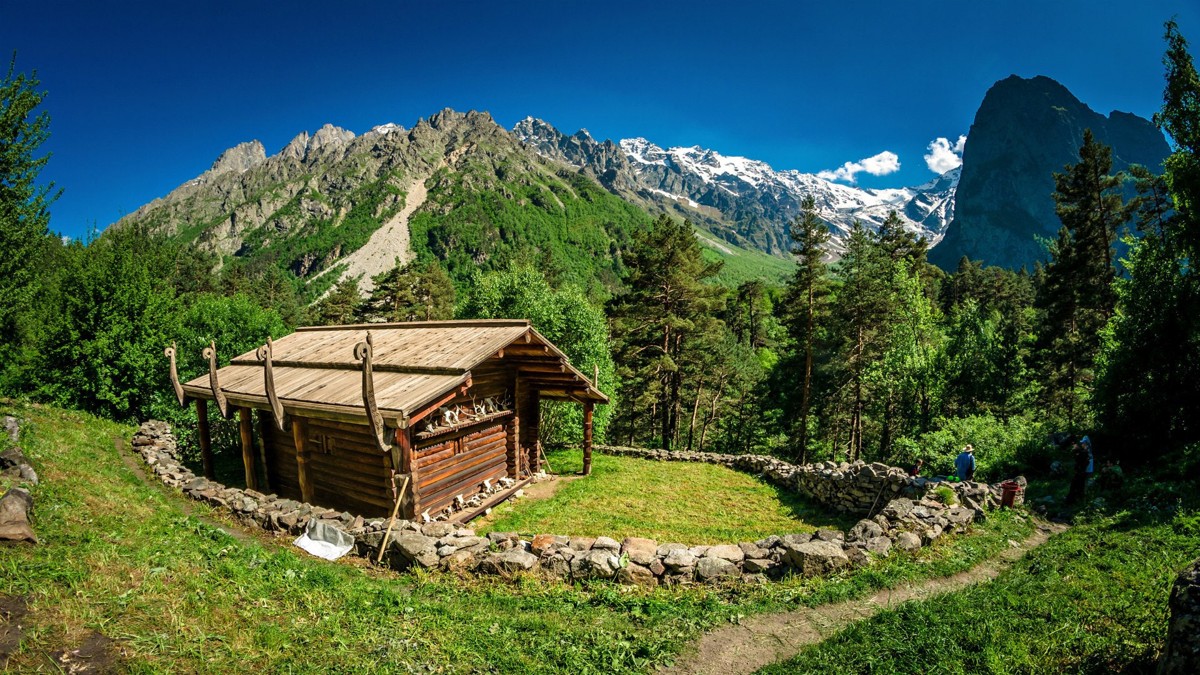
<point x="315" y="369"/>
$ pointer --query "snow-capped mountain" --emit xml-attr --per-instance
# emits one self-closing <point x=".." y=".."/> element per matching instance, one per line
<point x="742" y="200"/>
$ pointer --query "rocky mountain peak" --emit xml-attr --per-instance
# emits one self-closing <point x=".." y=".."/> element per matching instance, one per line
<point x="239" y="158"/>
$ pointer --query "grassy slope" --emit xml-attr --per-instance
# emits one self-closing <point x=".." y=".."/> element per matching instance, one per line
<point x="637" y="497"/>
<point x="123" y="558"/>
<point x="1092" y="600"/>
<point x="744" y="264"/>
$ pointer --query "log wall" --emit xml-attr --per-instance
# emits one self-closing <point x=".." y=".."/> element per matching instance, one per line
<point x="347" y="471"/>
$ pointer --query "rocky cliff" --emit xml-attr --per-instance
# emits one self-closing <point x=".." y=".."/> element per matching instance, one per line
<point x="1024" y="131"/>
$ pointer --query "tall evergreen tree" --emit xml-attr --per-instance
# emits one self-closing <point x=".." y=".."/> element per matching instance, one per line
<point x="338" y="308"/>
<point x="667" y="304"/>
<point x="1077" y="296"/>
<point x="412" y="292"/>
<point x="805" y="306"/>
<point x="24" y="205"/>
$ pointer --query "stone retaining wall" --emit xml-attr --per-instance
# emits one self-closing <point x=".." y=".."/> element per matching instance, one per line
<point x="905" y="519"/>
<point x="1182" y="652"/>
<point x="850" y="487"/>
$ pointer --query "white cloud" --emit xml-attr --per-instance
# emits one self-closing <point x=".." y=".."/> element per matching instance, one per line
<point x="942" y="156"/>
<point x="877" y="165"/>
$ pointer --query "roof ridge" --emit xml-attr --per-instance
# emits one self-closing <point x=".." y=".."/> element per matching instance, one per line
<point x="454" y="323"/>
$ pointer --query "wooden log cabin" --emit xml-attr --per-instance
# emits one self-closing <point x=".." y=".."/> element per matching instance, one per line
<point x="345" y="414"/>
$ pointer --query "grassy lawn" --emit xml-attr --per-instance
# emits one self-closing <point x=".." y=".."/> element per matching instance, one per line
<point x="1091" y="600"/>
<point x="667" y="501"/>
<point x="175" y="593"/>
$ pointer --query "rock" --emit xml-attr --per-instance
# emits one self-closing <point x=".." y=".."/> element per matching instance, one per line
<point x="458" y="562"/>
<point x="830" y="535"/>
<point x="599" y="563"/>
<point x="898" y="509"/>
<point x="413" y="546"/>
<point x="12" y="427"/>
<point x="509" y="562"/>
<point x="857" y="556"/>
<point x="15" y="506"/>
<point x="666" y="549"/>
<point x="438" y="529"/>
<point x="634" y="573"/>
<point x="880" y="546"/>
<point x="800" y="538"/>
<point x="712" y="567"/>
<point x="503" y="540"/>
<point x="733" y="554"/>
<point x="864" y="530"/>
<point x="657" y="567"/>
<point x="557" y="565"/>
<point x="907" y="541"/>
<point x="606" y="544"/>
<point x="678" y="559"/>
<point x="1182" y="651"/>
<point x="640" y="551"/>
<point x="582" y="543"/>
<point x="751" y="550"/>
<point x="815" y="558"/>
<point x="544" y="544"/>
<point x="758" y="565"/>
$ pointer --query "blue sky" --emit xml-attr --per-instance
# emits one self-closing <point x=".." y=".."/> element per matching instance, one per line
<point x="144" y="96"/>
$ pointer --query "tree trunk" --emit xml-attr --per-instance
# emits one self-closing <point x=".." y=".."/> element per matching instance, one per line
<point x="695" y="411"/>
<point x="806" y="393"/>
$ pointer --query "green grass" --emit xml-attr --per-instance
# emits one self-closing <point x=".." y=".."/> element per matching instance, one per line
<point x="124" y="558"/>
<point x="1092" y="600"/>
<point x="743" y="264"/>
<point x="690" y="503"/>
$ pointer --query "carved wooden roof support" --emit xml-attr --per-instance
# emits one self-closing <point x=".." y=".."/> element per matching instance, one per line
<point x="363" y="351"/>
<point x="169" y="352"/>
<point x="264" y="355"/>
<point x="210" y="353"/>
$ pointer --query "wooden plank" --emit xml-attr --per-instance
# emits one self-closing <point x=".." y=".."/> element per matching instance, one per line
<point x="455" y="470"/>
<point x="587" y="438"/>
<point x="299" y="438"/>
<point x="205" y="437"/>
<point x="436" y="468"/>
<point x="333" y="463"/>
<point x="439" y="500"/>
<point x="246" y="431"/>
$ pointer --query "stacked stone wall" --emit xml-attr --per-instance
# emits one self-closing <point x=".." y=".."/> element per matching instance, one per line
<point x="901" y="516"/>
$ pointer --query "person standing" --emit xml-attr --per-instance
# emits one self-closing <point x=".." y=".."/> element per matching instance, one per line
<point x="964" y="464"/>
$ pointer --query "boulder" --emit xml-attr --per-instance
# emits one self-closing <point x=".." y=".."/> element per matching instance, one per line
<point x="544" y="544"/>
<point x="880" y="546"/>
<point x="14" y="516"/>
<point x="508" y="563"/>
<point x="582" y="543"/>
<point x="830" y="535"/>
<point x="733" y="554"/>
<point x="758" y="565"/>
<point x="640" y="551"/>
<point x="864" y="530"/>
<point x="438" y="529"/>
<point x="416" y="548"/>
<point x="710" y="568"/>
<point x="634" y="573"/>
<point x="678" y="559"/>
<point x="815" y="558"/>
<point x="596" y="563"/>
<point x="1182" y="652"/>
<point x="606" y="544"/>
<point x="907" y="541"/>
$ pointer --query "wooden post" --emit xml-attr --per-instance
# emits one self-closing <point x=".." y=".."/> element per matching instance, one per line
<point x="299" y="438"/>
<point x="264" y="420"/>
<point x="205" y="437"/>
<point x="587" y="437"/>
<point x="246" y="429"/>
<point x="404" y="441"/>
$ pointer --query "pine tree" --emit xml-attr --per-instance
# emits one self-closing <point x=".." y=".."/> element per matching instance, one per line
<point x="340" y="307"/>
<point x="1077" y="297"/>
<point x="805" y="306"/>
<point x="667" y="304"/>
<point x="412" y="292"/>
<point x="24" y="205"/>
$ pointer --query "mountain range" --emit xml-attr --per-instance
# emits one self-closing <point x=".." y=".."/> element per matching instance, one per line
<point x="460" y="188"/>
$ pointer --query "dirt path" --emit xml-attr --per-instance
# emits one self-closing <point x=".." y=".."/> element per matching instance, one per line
<point x="765" y="639"/>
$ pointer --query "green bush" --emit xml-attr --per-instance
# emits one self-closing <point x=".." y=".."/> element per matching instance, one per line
<point x="945" y="495"/>
<point x="1003" y="448"/>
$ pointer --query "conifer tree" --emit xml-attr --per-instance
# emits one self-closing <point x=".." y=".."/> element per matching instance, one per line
<point x="24" y="205"/>
<point x="806" y="305"/>
<point x="667" y="304"/>
<point x="1077" y="296"/>
<point x="339" y="307"/>
<point x="412" y="292"/>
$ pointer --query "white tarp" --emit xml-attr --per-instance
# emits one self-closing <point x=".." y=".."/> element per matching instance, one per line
<point x="324" y="540"/>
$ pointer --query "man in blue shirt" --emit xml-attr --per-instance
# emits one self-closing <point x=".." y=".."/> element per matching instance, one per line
<point x="964" y="464"/>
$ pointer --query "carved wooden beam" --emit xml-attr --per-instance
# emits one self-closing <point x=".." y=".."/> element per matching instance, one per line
<point x="264" y="355"/>
<point x="364" y="351"/>
<point x="210" y="353"/>
<point x="169" y="352"/>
